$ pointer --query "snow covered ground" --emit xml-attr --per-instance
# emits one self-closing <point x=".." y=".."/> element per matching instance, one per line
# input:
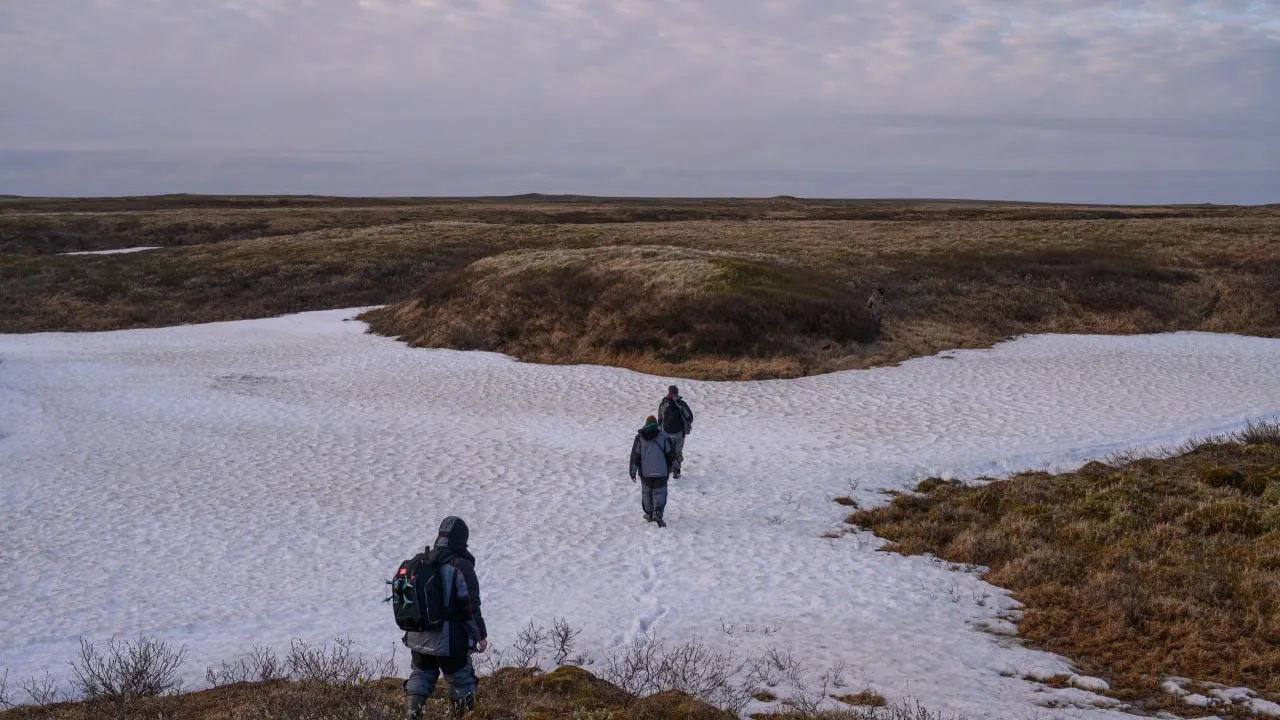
<point x="118" y="251"/>
<point x="245" y="483"/>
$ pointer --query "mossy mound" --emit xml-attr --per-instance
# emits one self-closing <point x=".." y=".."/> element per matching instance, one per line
<point x="1149" y="568"/>
<point x="658" y="309"/>
<point x="509" y="694"/>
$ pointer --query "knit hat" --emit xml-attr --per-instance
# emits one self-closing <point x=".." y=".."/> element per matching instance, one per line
<point x="673" y="390"/>
<point x="651" y="420"/>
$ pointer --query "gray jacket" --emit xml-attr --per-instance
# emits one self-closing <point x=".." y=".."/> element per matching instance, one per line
<point x="651" y="453"/>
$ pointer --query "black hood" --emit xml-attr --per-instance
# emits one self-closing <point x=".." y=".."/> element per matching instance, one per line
<point x="649" y="432"/>
<point x="453" y="534"/>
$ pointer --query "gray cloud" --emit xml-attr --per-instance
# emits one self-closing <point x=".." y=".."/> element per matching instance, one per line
<point x="527" y="95"/>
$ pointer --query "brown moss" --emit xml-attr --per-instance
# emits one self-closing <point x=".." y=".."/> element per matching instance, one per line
<point x="1223" y="477"/>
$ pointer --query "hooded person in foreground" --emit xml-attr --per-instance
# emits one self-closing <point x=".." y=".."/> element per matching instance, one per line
<point x="449" y="649"/>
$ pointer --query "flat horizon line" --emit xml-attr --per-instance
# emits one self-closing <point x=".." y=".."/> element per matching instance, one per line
<point x="563" y="197"/>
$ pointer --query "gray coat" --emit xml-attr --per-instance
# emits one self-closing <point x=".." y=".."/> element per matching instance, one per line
<point x="651" y="453"/>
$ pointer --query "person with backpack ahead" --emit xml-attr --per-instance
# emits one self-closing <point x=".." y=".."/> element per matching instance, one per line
<point x="652" y="453"/>
<point x="447" y="608"/>
<point x="676" y="420"/>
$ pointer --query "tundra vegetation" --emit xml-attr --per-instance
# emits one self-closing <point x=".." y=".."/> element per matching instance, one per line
<point x="1139" y="570"/>
<point x="716" y="289"/>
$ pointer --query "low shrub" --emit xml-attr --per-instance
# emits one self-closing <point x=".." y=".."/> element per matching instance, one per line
<point x="131" y="668"/>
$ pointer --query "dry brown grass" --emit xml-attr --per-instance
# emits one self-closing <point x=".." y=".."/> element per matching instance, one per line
<point x="707" y="314"/>
<point x="866" y="698"/>
<point x="1136" y="570"/>
<point x="954" y="274"/>
<point x="509" y="694"/>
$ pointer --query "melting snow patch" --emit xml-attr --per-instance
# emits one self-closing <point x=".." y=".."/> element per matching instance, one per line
<point x="1258" y="706"/>
<point x="306" y="449"/>
<point x="997" y="626"/>
<point x="1092" y="684"/>
<point x="1232" y="695"/>
<point x="1040" y="674"/>
<point x="1198" y="700"/>
<point x="1071" y="697"/>
<point x="1173" y="686"/>
<point x="117" y="251"/>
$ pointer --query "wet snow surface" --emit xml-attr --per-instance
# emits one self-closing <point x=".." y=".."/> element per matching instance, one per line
<point x="248" y="483"/>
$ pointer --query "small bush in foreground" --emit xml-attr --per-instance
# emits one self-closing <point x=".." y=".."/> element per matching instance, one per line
<point x="649" y="666"/>
<point x="41" y="691"/>
<point x="6" y="694"/>
<point x="336" y="664"/>
<point x="262" y="665"/>
<point x="133" y="668"/>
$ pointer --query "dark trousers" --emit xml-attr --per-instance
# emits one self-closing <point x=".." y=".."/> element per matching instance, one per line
<point x="653" y="496"/>
<point x="677" y="445"/>
<point x="427" y="669"/>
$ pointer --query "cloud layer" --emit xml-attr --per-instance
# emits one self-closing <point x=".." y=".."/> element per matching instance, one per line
<point x="592" y="92"/>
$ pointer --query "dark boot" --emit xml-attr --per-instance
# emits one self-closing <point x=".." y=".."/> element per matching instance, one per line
<point x="413" y="707"/>
<point x="462" y="706"/>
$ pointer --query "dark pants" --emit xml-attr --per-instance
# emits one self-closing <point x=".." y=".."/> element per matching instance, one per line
<point x="427" y="669"/>
<point x="677" y="445"/>
<point x="653" y="496"/>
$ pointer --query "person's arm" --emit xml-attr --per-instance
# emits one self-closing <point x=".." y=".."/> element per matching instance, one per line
<point x="635" y="457"/>
<point x="688" y="417"/>
<point x="468" y="598"/>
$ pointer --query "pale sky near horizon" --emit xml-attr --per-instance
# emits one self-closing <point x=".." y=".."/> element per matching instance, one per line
<point x="1057" y="100"/>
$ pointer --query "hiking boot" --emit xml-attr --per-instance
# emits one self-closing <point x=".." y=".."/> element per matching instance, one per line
<point x="413" y="707"/>
<point x="648" y="517"/>
<point x="675" y="474"/>
<point x="462" y="706"/>
<point x="660" y="521"/>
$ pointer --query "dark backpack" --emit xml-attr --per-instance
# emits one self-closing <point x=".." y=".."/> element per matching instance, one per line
<point x="417" y="595"/>
<point x="677" y="409"/>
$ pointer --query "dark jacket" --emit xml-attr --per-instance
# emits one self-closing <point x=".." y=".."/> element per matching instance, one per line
<point x="651" y="453"/>
<point x="465" y="626"/>
<point x="674" y="415"/>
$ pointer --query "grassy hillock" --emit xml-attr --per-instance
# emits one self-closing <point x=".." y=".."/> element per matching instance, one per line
<point x="507" y="693"/>
<point x="568" y="692"/>
<point x="1136" y="570"/>
<point x="661" y="309"/>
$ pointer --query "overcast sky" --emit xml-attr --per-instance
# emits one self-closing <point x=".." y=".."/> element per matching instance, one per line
<point x="1072" y="100"/>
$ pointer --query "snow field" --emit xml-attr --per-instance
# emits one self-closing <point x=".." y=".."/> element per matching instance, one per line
<point x="247" y="483"/>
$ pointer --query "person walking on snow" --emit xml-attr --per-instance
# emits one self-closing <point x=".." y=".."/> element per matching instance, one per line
<point x="676" y="420"/>
<point x="449" y="649"/>
<point x="651" y="456"/>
